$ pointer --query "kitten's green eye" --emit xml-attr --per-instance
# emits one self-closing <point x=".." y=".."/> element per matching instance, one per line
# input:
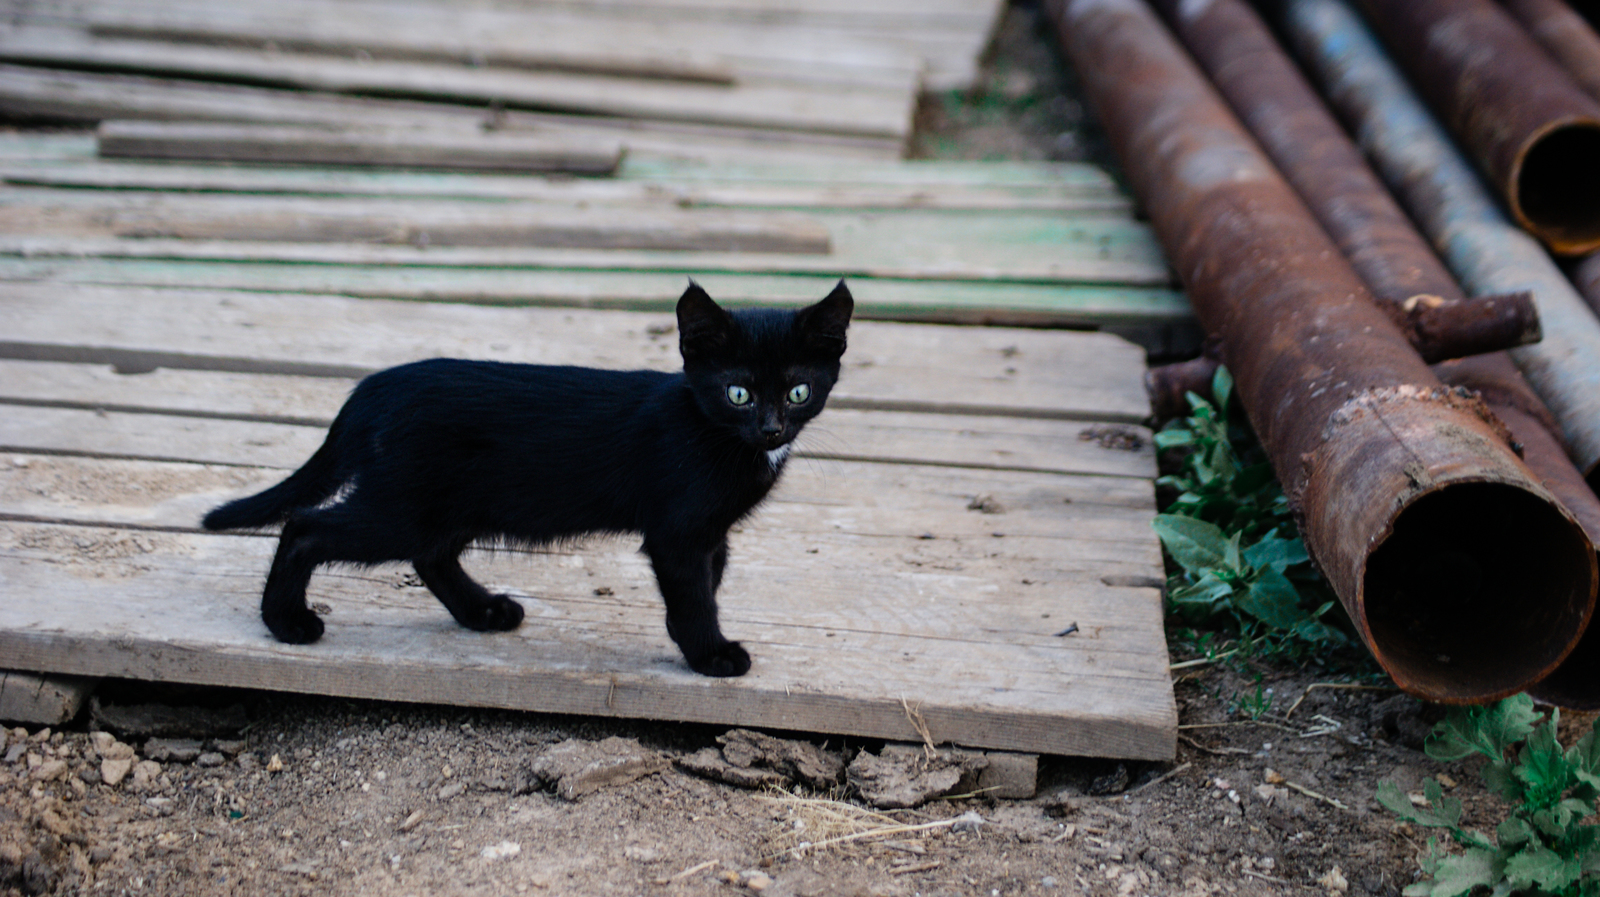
<point x="799" y="394"/>
<point x="738" y="395"/>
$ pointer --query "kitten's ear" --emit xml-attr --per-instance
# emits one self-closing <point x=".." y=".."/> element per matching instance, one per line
<point x="823" y="325"/>
<point x="704" y="327"/>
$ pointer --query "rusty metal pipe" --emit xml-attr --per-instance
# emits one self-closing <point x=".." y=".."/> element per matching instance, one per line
<point x="1586" y="276"/>
<point x="1313" y="152"/>
<point x="1412" y="503"/>
<point x="1565" y="36"/>
<point x="1532" y="131"/>
<point x="1436" y="185"/>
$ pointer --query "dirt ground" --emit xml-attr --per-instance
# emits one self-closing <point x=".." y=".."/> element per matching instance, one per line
<point x="284" y="794"/>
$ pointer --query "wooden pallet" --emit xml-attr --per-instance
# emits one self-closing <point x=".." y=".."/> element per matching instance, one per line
<point x="696" y="80"/>
<point x="944" y="519"/>
<point x="1007" y="243"/>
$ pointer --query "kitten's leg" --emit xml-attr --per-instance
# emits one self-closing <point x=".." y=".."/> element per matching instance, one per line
<point x="350" y="533"/>
<point x="471" y="604"/>
<point x="283" y="601"/>
<point x="687" y="579"/>
<point x="719" y="562"/>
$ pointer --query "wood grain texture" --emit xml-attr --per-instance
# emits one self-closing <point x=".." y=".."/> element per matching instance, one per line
<point x="875" y="632"/>
<point x="889" y="366"/>
<point x="53" y="95"/>
<point x="1062" y="196"/>
<point x="1012" y="304"/>
<point x="660" y="227"/>
<point x="392" y="148"/>
<point x="863" y="111"/>
<point x="1026" y="246"/>
<point x="104" y="423"/>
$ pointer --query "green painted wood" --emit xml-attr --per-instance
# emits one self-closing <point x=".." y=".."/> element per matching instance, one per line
<point x="975" y="302"/>
<point x="1069" y="195"/>
<point x="648" y="168"/>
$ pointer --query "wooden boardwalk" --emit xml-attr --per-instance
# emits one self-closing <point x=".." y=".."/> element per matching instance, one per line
<point x="963" y="538"/>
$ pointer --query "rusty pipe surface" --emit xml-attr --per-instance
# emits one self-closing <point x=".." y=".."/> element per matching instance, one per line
<point x="1575" y="683"/>
<point x="1565" y="36"/>
<point x="1283" y="112"/>
<point x="1532" y="131"/>
<point x="1487" y="253"/>
<point x="1411" y="502"/>
<point x="1586" y="277"/>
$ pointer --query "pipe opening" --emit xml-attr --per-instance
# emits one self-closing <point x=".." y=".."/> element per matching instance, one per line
<point x="1558" y="186"/>
<point x="1477" y="592"/>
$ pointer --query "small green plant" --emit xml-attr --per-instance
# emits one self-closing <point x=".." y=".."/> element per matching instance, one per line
<point x="1547" y="845"/>
<point x="1243" y="564"/>
<point x="1254" y="706"/>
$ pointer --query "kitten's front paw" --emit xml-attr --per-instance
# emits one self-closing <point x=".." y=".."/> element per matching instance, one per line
<point x="300" y="627"/>
<point x="728" y="659"/>
<point x="498" y="615"/>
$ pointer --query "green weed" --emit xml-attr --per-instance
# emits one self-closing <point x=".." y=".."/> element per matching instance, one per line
<point x="1244" y="569"/>
<point x="1546" y="845"/>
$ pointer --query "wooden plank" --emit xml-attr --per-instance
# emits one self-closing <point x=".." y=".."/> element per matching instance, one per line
<point x="413" y="223"/>
<point x="42" y="700"/>
<point x="170" y="606"/>
<point x="131" y="426"/>
<point x="856" y="254"/>
<point x="1014" y="178"/>
<point x="1011" y="372"/>
<point x="1012" y="304"/>
<point x="530" y="37"/>
<point x="395" y="148"/>
<point x="126" y="175"/>
<point x="862" y="111"/>
<point x="903" y="500"/>
<point x="1028" y="246"/>
<point x="57" y="96"/>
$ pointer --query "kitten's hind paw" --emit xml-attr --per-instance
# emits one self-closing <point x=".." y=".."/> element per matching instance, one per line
<point x="297" y="627"/>
<point x="727" y="659"/>
<point x="498" y="614"/>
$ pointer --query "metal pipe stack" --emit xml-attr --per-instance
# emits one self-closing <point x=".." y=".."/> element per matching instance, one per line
<point x="1412" y="500"/>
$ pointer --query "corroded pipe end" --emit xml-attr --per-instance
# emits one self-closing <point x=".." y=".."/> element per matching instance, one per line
<point x="1555" y="186"/>
<point x="1442" y="329"/>
<point x="1476" y="593"/>
<point x="1471" y="582"/>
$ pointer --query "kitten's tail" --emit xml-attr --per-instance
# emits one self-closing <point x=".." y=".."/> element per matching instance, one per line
<point x="311" y="485"/>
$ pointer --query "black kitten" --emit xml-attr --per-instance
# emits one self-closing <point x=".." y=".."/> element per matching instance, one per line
<point x="428" y="457"/>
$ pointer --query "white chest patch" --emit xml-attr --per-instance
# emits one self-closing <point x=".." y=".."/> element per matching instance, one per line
<point x="777" y="456"/>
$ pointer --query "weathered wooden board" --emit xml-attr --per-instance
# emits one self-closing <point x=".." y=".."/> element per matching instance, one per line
<point x="90" y="97"/>
<point x="638" y="42"/>
<point x="1028" y="246"/>
<point x="101" y="426"/>
<point x="902" y="500"/>
<point x="973" y="302"/>
<point x="1018" y="179"/>
<point x="479" y="223"/>
<point x="538" y="37"/>
<point x="123" y="174"/>
<point x="862" y="110"/>
<point x="898" y="620"/>
<point x="889" y="366"/>
<point x="390" y="147"/>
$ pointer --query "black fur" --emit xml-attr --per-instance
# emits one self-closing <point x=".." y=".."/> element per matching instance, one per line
<point x="429" y="457"/>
